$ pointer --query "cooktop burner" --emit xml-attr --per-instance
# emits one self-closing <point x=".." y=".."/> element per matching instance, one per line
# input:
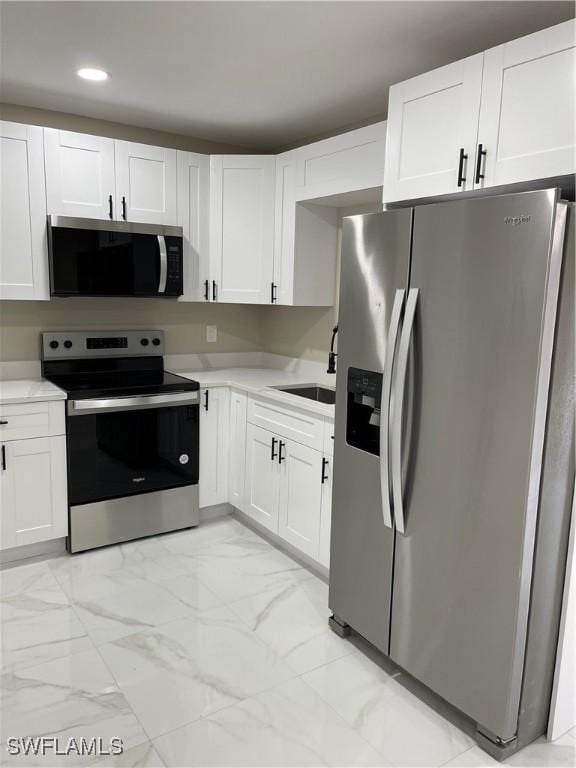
<point x="109" y="364"/>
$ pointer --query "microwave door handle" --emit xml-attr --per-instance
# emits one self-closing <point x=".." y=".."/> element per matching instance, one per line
<point x="398" y="410"/>
<point x="391" y="345"/>
<point x="163" y="264"/>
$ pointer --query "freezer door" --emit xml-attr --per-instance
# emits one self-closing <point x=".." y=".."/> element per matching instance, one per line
<point x="374" y="276"/>
<point x="487" y="272"/>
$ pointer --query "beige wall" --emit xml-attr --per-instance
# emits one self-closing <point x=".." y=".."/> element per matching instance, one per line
<point x="68" y="122"/>
<point x="185" y="324"/>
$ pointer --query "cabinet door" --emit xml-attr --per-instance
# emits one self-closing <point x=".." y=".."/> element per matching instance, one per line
<point x="193" y="173"/>
<point x="262" y="477"/>
<point x="34" y="499"/>
<point x="527" y="125"/>
<point x="300" y="497"/>
<point x="351" y="161"/>
<point x="326" y="513"/>
<point x="237" y="458"/>
<point x="214" y="421"/>
<point x="284" y="229"/>
<point x="79" y="174"/>
<point x="431" y="118"/>
<point x="23" y="249"/>
<point x="145" y="183"/>
<point x="242" y="227"/>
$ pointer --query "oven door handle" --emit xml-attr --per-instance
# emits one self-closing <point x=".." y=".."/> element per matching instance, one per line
<point x="81" y="407"/>
<point x="163" y="264"/>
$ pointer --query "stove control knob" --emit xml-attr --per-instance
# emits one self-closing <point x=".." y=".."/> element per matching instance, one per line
<point x="144" y="342"/>
<point x="68" y="344"/>
<point x="54" y="345"/>
<point x="183" y="458"/>
<point x="156" y="342"/>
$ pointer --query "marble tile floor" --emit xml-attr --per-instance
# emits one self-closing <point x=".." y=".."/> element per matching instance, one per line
<point x="208" y="648"/>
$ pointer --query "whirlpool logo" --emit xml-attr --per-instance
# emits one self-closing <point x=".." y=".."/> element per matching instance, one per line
<point x="138" y="479"/>
<point x="515" y="221"/>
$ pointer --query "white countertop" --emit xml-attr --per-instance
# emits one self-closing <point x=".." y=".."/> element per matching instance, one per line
<point x="259" y="381"/>
<point x="29" y="391"/>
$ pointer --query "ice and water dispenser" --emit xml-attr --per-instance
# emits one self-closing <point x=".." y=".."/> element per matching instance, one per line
<point x="363" y="410"/>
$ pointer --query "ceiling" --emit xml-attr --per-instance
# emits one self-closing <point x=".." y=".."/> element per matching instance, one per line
<point x="263" y="75"/>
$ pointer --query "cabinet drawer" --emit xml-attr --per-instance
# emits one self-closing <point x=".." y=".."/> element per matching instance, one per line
<point x="25" y="420"/>
<point x="290" y="423"/>
<point x="329" y="437"/>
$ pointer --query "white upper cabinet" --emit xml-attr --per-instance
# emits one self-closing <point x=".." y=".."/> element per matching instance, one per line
<point x="503" y="116"/>
<point x="242" y="227"/>
<point x="145" y="183"/>
<point x="305" y="244"/>
<point x="527" y="123"/>
<point x="79" y="175"/>
<point x="193" y="195"/>
<point x="432" y="130"/>
<point x="23" y="254"/>
<point x="346" y="163"/>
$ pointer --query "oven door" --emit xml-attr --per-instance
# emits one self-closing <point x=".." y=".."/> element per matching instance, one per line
<point x="92" y="258"/>
<point x="126" y="446"/>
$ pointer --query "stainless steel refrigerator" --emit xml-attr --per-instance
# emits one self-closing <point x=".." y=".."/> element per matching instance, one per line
<point x="454" y="449"/>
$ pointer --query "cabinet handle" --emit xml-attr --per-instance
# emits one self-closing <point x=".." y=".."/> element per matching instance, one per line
<point x="110" y="209"/>
<point x="205" y="399"/>
<point x="4" y="458"/>
<point x="280" y="457"/>
<point x="481" y="153"/>
<point x="324" y="465"/>
<point x="207" y="290"/>
<point x="273" y="298"/>
<point x="3" y="422"/>
<point x="461" y="177"/>
<point x="273" y="450"/>
<point x="213" y="290"/>
<point x="124" y="208"/>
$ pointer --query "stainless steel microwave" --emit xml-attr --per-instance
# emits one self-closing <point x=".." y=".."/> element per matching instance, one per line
<point x="89" y="257"/>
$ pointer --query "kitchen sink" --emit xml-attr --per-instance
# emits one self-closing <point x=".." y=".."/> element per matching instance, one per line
<point x="311" y="392"/>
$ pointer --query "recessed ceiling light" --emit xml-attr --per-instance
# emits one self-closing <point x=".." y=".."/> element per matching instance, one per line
<point x="92" y="73"/>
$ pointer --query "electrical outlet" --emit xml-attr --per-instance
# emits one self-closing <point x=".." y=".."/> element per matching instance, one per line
<point x="211" y="333"/>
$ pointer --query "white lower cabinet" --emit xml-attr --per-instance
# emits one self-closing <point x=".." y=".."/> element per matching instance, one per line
<point x="214" y="439"/>
<point x="326" y="512"/>
<point x="237" y="453"/>
<point x="300" y="496"/>
<point x="33" y="492"/>
<point x="288" y="482"/>
<point x="262" y="477"/>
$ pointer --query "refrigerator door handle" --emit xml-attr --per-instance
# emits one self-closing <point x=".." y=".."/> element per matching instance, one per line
<point x="385" y="405"/>
<point x="398" y="410"/>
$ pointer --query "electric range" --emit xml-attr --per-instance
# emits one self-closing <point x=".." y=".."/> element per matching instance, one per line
<point x="132" y="433"/>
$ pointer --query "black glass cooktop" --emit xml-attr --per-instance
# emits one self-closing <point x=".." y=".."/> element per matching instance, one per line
<point x="121" y="377"/>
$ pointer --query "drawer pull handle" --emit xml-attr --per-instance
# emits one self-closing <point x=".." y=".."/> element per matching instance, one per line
<point x="2" y="422"/>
